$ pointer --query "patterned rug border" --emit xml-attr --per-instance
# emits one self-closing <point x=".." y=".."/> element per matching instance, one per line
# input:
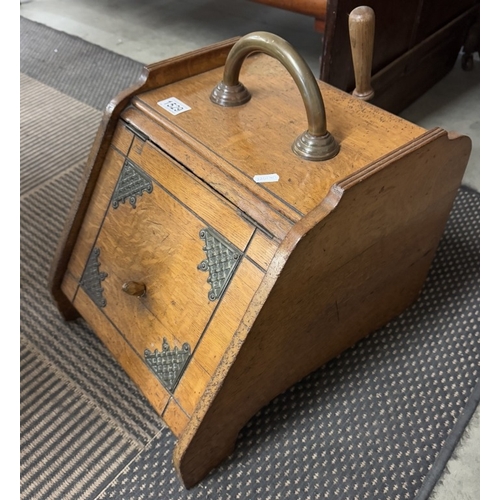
<point x="450" y="446"/>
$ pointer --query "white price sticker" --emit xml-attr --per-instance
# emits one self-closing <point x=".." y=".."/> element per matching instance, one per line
<point x="174" y="106"/>
<point x="266" y="178"/>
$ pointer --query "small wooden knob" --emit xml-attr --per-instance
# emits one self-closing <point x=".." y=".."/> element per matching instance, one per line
<point x="362" y="34"/>
<point x="134" y="288"/>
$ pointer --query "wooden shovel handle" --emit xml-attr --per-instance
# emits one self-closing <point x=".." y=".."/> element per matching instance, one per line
<point x="362" y="34"/>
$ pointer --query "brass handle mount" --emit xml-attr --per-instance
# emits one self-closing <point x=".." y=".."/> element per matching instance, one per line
<point x="134" y="288"/>
<point x="316" y="143"/>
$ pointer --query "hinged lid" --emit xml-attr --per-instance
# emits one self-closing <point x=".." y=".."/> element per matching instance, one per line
<point x="256" y="138"/>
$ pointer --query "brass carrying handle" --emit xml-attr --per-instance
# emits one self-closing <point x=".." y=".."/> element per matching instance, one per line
<point x="316" y="143"/>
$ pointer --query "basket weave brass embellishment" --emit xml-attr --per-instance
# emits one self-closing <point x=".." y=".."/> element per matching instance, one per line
<point x="222" y="259"/>
<point x="168" y="364"/>
<point x="131" y="184"/>
<point x="91" y="279"/>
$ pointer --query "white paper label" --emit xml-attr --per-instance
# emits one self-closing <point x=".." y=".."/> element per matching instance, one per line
<point x="174" y="106"/>
<point x="266" y="178"/>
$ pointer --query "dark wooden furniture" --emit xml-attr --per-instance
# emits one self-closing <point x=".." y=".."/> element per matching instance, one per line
<point x="417" y="42"/>
<point x="216" y="292"/>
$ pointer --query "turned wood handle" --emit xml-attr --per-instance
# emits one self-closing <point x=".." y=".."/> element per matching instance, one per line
<point x="362" y="34"/>
<point x="134" y="288"/>
<point x="314" y="144"/>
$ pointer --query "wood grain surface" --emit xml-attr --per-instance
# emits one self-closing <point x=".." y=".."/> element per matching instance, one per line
<point x="119" y="347"/>
<point x="153" y="76"/>
<point x="329" y="253"/>
<point x="256" y="138"/>
<point x="156" y="244"/>
<point x="362" y="34"/>
<point x="357" y="261"/>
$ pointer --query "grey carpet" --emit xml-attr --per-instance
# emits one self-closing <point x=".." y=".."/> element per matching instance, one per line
<point x="378" y="422"/>
<point x="78" y="69"/>
<point x="82" y="420"/>
<point x="56" y="132"/>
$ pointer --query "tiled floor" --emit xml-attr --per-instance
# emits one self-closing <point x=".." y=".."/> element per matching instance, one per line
<point x="152" y="30"/>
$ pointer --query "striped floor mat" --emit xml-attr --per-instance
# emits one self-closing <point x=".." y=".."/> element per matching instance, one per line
<point x="378" y="422"/>
<point x="82" y="420"/>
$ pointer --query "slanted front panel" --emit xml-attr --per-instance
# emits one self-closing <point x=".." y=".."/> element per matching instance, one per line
<point x="157" y="244"/>
<point x="209" y="206"/>
<point x="158" y="274"/>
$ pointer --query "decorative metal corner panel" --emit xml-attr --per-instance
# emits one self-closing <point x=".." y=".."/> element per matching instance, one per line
<point x="91" y="278"/>
<point x="222" y="259"/>
<point x="168" y="364"/>
<point x="133" y="182"/>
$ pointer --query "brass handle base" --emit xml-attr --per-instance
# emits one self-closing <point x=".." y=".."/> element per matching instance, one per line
<point x="134" y="288"/>
<point x="315" y="148"/>
<point x="230" y="95"/>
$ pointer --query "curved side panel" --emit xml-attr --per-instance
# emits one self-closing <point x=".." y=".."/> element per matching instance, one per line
<point x="347" y="269"/>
